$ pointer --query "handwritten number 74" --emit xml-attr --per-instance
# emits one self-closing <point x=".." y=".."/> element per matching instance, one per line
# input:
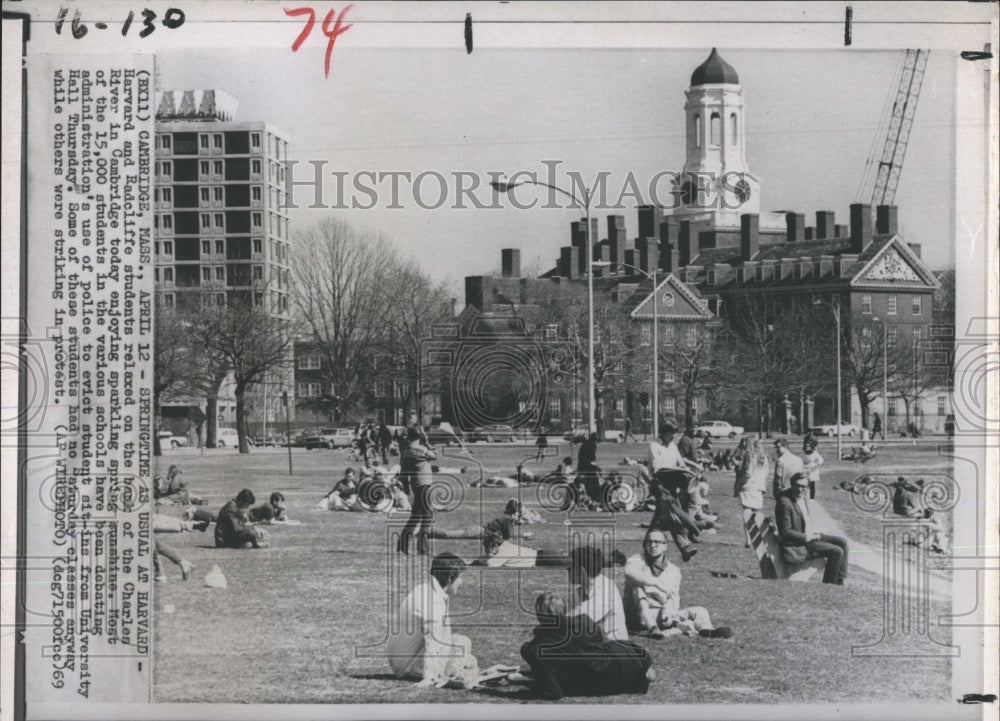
<point x="332" y="33"/>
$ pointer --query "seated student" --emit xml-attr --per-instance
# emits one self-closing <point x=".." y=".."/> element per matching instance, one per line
<point x="599" y="595"/>
<point x="799" y="542"/>
<point x="906" y="502"/>
<point x="570" y="656"/>
<point x="232" y="529"/>
<point x="271" y="512"/>
<point x="421" y="643"/>
<point x="344" y="494"/>
<point x="565" y="468"/>
<point x="499" y="552"/>
<point x="174" y="489"/>
<point x="652" y="596"/>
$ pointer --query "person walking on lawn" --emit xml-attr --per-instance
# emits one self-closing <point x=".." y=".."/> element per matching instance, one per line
<point x="542" y="444"/>
<point x="877" y="426"/>
<point x="420" y="476"/>
<point x="799" y="542"/>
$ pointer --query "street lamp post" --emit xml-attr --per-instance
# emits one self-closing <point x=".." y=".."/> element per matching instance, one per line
<point x="885" y="374"/>
<point x="656" y="344"/>
<point x="835" y="307"/>
<point x="591" y="393"/>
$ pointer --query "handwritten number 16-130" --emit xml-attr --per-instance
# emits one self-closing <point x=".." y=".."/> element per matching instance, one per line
<point x="331" y="33"/>
<point x="173" y="18"/>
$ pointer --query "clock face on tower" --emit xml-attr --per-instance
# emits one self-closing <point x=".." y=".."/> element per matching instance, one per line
<point x="743" y="191"/>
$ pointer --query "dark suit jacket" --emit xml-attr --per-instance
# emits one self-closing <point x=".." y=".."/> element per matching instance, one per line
<point x="791" y="529"/>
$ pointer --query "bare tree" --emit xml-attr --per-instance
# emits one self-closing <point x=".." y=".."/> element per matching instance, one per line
<point x="252" y="341"/>
<point x="863" y="362"/>
<point x="910" y="378"/>
<point x="689" y="351"/>
<point x="174" y="363"/>
<point x="343" y="293"/>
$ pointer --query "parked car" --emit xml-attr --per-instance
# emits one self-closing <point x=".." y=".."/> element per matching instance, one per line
<point x="329" y="438"/>
<point x="718" y="429"/>
<point x="444" y="435"/>
<point x="492" y="433"/>
<point x="169" y="440"/>
<point x="262" y="441"/>
<point x="830" y="429"/>
<point x="228" y="437"/>
<point x="949" y="425"/>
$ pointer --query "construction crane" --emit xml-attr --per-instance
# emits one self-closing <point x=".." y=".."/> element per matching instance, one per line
<point x="882" y="171"/>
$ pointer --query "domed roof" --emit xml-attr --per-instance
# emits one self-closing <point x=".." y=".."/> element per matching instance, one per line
<point x="714" y="70"/>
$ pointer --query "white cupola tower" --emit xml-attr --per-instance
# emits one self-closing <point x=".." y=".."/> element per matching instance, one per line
<point x="716" y="142"/>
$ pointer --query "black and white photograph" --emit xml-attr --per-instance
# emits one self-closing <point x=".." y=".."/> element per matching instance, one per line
<point x="500" y="360"/>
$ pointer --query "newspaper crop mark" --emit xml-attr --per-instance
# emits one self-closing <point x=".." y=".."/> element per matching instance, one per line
<point x="332" y="34"/>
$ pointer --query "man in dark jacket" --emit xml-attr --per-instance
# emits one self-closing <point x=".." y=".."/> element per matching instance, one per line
<point x="232" y="530"/>
<point x="384" y="442"/>
<point x="569" y="656"/>
<point x="588" y="474"/>
<point x="799" y="542"/>
<point x="416" y="465"/>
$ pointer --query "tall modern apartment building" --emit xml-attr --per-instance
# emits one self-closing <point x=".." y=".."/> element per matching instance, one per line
<point x="221" y="229"/>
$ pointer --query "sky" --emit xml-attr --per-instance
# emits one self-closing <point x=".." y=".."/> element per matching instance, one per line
<point x="810" y="117"/>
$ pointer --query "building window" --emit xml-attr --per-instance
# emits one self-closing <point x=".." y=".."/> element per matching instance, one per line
<point x="942" y="405"/>
<point x="255" y="193"/>
<point x="694" y="406"/>
<point x="891" y="407"/>
<point x="918" y="333"/>
<point x="866" y="303"/>
<point x="206" y="221"/>
<point x="619" y="408"/>
<point x="716" y="129"/>
<point x="203" y="142"/>
<point x="669" y="376"/>
<point x="866" y="332"/>
<point x="217" y="141"/>
<point x="203" y="167"/>
<point x="219" y="194"/>
<point x="156" y="275"/>
<point x="220" y="247"/>
<point x="697" y="131"/>
<point x="167" y="194"/>
<point x="258" y="246"/>
<point x="166" y="169"/>
<point x="168" y="275"/>
<point x="220" y="299"/>
<point x="256" y="220"/>
<point x="168" y="247"/>
<point x="309" y="390"/>
<point x="165" y="142"/>
<point x="916" y="306"/>
<point x="893" y="334"/>
<point x="711" y="277"/>
<point x="220" y="220"/>
<point x="669" y="406"/>
<point x="555" y="409"/>
<point x="206" y="247"/>
<point x="217" y="168"/>
<point x="220" y="273"/>
<point x="890" y="304"/>
<point x="204" y="195"/>
<point x="577" y="408"/>
<point x="258" y="272"/>
<point x="691" y="337"/>
<point x="206" y="274"/>
<point x="733" y="129"/>
<point x="258" y="298"/>
<point x="309" y="363"/>
<point x="890" y="370"/>
<point x="255" y="167"/>
<point x="255" y="140"/>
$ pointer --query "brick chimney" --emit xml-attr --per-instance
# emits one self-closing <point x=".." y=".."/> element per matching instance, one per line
<point x="684" y="243"/>
<point x="796" y="225"/>
<point x="569" y="262"/>
<point x="840" y="231"/>
<point x="510" y="262"/>
<point x="648" y="254"/>
<point x="477" y="289"/>
<point x="824" y="224"/>
<point x="861" y="227"/>
<point x="630" y="261"/>
<point x="617" y="241"/>
<point x="650" y="217"/>
<point x="886" y="221"/>
<point x="810" y="233"/>
<point x="749" y="235"/>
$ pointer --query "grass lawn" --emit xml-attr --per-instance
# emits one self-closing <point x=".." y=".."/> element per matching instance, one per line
<point x="306" y="620"/>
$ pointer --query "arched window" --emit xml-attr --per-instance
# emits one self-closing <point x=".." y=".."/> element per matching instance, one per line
<point x="716" y="129"/>
<point x="733" y="129"/>
<point x="697" y="131"/>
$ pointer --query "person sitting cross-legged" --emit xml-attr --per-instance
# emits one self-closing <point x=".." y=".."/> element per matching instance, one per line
<point x="652" y="596"/>
<point x="799" y="542"/>
<point x="344" y="494"/>
<point x="233" y="529"/>
<point x="570" y="656"/>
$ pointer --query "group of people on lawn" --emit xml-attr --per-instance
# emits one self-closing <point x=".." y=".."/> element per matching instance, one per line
<point x="580" y="647"/>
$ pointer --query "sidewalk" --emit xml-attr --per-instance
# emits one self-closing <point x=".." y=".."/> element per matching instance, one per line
<point x="868" y="557"/>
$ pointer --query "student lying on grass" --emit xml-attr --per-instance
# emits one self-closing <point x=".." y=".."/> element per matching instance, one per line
<point x="570" y="656"/>
<point x="421" y="643"/>
<point x="500" y="552"/>
<point x="514" y="515"/>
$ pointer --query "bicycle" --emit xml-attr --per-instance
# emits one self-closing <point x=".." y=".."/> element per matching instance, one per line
<point x="352" y="454"/>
